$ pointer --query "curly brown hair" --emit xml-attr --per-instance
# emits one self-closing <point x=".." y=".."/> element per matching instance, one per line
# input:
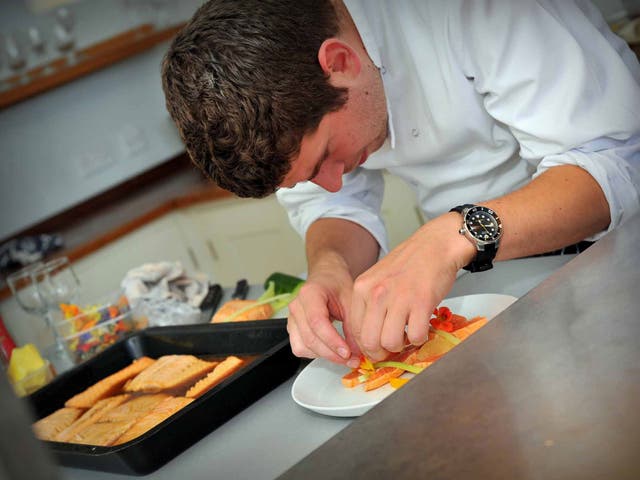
<point x="243" y="84"/>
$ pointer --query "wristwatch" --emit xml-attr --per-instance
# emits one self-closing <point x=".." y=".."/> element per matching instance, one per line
<point x="483" y="228"/>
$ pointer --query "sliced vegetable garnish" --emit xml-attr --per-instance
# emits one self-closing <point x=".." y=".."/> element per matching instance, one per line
<point x="447" y="336"/>
<point x="281" y="301"/>
<point x="270" y="292"/>
<point x="447" y="329"/>
<point x="280" y="304"/>
<point x="365" y="364"/>
<point x="398" y="382"/>
<point x="401" y="365"/>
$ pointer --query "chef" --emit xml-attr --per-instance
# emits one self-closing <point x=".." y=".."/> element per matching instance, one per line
<point x="516" y="122"/>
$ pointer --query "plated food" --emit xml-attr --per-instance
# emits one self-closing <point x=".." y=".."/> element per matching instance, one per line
<point x="319" y="388"/>
<point x="446" y="330"/>
<point x="130" y="402"/>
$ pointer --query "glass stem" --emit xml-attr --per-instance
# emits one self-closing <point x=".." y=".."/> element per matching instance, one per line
<point x="48" y="318"/>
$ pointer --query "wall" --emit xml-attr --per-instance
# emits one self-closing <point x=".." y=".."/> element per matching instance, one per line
<point x="66" y="145"/>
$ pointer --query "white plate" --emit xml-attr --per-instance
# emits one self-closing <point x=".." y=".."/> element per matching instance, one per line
<point x="318" y="386"/>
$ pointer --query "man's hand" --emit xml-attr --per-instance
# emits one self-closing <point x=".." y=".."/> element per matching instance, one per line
<point x="326" y="295"/>
<point x="403" y="288"/>
<point x="337" y="251"/>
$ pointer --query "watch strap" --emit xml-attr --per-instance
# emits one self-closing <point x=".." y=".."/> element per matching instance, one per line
<point x="460" y="208"/>
<point x="484" y="259"/>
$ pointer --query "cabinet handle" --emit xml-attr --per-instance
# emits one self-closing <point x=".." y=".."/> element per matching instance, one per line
<point x="193" y="258"/>
<point x="212" y="250"/>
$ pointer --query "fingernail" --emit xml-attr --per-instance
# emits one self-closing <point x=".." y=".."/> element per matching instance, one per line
<point x="353" y="363"/>
<point x="343" y="352"/>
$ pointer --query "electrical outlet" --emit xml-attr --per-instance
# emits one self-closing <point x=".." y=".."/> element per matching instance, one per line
<point x="92" y="163"/>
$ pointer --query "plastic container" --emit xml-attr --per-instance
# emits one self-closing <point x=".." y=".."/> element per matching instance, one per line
<point x="96" y="327"/>
<point x="163" y="312"/>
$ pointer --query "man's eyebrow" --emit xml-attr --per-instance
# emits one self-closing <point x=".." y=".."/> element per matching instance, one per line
<point x="316" y="169"/>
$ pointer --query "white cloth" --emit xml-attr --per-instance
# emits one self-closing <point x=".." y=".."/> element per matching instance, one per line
<point x="164" y="280"/>
<point x="483" y="95"/>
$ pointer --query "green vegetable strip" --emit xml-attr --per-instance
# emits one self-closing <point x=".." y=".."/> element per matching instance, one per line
<point x="269" y="292"/>
<point x="236" y="314"/>
<point x="403" y="366"/>
<point x="279" y="305"/>
<point x="447" y="336"/>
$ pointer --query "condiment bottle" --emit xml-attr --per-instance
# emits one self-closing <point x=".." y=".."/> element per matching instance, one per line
<point x="6" y="344"/>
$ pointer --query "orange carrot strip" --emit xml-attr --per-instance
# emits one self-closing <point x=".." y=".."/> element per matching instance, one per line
<point x="351" y="379"/>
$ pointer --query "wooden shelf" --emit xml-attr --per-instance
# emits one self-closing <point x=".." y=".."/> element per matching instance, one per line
<point x="82" y="62"/>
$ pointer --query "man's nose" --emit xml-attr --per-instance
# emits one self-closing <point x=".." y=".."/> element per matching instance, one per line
<point x="330" y="176"/>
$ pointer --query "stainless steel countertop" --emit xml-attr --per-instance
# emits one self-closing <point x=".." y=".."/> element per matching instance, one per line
<point x="549" y="389"/>
<point x="546" y="390"/>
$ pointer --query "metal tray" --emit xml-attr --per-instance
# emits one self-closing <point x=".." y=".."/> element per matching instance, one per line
<point x="274" y="363"/>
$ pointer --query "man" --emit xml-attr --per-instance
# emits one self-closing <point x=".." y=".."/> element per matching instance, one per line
<point x="518" y="118"/>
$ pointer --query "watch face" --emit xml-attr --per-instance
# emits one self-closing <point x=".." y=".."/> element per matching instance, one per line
<point x="483" y="224"/>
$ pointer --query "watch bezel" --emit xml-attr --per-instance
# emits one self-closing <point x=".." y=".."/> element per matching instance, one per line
<point x="465" y="230"/>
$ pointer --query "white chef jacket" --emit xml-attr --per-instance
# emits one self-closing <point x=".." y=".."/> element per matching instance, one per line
<point x="482" y="96"/>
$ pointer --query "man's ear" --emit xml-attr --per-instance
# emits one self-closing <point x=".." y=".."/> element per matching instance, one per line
<point x="339" y="61"/>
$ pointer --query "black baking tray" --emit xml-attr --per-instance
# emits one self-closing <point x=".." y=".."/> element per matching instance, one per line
<point x="274" y="363"/>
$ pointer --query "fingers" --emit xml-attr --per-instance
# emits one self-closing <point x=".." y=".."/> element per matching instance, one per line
<point x="354" y="360"/>
<point x="418" y="326"/>
<point x="382" y="319"/>
<point x="311" y="332"/>
<point x="367" y="317"/>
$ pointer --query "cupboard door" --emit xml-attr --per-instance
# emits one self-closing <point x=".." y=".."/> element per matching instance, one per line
<point x="161" y="240"/>
<point x="247" y="238"/>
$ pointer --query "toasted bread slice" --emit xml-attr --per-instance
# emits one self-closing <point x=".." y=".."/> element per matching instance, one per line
<point x="134" y="408"/>
<point x="224" y="369"/>
<point x="108" y="386"/>
<point x="48" y="427"/>
<point x="102" y="433"/>
<point x="170" y="372"/>
<point x="160" y="412"/>
<point x="95" y="413"/>
<point x="260" y="312"/>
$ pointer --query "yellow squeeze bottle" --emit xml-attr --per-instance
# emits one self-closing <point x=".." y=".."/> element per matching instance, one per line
<point x="26" y="362"/>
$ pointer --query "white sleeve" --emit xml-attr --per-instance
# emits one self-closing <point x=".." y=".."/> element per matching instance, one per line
<point x="358" y="200"/>
<point x="563" y="83"/>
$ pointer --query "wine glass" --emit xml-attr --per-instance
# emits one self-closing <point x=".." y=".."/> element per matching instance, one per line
<point x="25" y="290"/>
<point x="57" y="282"/>
<point x="39" y="289"/>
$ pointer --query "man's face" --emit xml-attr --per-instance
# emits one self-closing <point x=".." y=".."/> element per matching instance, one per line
<point x="343" y="140"/>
